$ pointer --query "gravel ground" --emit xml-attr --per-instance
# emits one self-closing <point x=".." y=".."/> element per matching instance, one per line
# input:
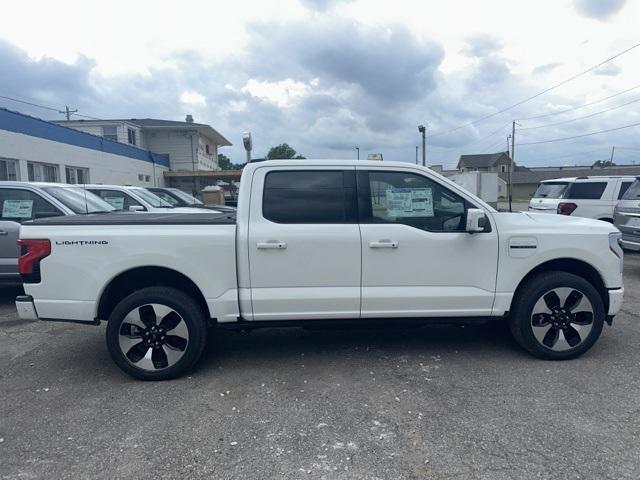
<point x="435" y="402"/>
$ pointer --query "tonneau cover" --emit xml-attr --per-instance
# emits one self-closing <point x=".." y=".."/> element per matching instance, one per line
<point x="139" y="218"/>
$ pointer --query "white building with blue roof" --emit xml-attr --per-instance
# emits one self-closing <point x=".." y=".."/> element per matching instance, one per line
<point x="32" y="149"/>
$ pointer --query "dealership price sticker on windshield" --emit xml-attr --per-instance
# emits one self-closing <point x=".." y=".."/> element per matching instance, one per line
<point x="409" y="202"/>
<point x="17" y="208"/>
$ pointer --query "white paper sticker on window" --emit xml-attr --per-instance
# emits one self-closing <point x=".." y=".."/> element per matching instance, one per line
<point x="409" y="202"/>
<point x="17" y="208"/>
<point x="115" y="202"/>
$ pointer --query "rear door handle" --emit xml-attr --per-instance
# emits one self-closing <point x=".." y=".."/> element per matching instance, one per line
<point x="4" y="233"/>
<point x="273" y="245"/>
<point x="383" y="244"/>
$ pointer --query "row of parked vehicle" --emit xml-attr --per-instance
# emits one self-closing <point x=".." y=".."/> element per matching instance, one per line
<point x="614" y="199"/>
<point x="23" y="201"/>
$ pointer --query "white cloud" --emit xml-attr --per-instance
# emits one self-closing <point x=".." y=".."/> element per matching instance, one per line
<point x="192" y="97"/>
<point x="284" y="93"/>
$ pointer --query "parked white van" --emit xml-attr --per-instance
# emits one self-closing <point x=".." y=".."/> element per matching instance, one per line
<point x="589" y="197"/>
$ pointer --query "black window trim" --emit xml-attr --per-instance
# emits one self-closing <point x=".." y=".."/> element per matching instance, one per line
<point x="351" y="204"/>
<point x="364" y="200"/>
<point x="34" y="192"/>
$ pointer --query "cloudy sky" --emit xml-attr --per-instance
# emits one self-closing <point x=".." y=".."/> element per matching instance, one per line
<point x="326" y="76"/>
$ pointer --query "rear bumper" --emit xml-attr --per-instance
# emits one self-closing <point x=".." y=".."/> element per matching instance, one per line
<point x="615" y="300"/>
<point x="26" y="308"/>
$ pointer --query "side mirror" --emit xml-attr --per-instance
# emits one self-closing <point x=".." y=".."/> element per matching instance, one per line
<point x="476" y="220"/>
<point x="136" y="208"/>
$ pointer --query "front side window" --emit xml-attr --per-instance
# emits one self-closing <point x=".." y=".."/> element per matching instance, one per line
<point x="410" y="199"/>
<point x="623" y="189"/>
<point x="117" y="199"/>
<point x="166" y="197"/>
<point x="19" y="205"/>
<point x="79" y="200"/>
<point x="586" y="190"/>
<point x="633" y="192"/>
<point x="310" y="196"/>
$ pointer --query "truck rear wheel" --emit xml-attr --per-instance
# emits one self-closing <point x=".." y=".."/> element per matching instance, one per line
<point x="156" y="333"/>
<point x="557" y="316"/>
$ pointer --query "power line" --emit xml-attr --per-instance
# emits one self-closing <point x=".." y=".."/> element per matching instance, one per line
<point x="559" y="112"/>
<point x="57" y="110"/>
<point x="581" y="118"/>
<point x="539" y="93"/>
<point x="579" y="136"/>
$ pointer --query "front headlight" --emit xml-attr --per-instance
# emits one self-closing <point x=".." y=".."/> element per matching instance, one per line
<point x="614" y="244"/>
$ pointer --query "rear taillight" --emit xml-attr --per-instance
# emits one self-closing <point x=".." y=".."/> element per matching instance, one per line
<point x="31" y="252"/>
<point x="566" y="208"/>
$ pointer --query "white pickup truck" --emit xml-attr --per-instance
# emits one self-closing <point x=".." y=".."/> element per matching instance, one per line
<point x="322" y="241"/>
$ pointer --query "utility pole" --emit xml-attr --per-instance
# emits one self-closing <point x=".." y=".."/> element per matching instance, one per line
<point x="417" y="154"/>
<point x="67" y="112"/>
<point x="358" y="152"/>
<point x="513" y="153"/>
<point x="423" y="130"/>
<point x="613" y="149"/>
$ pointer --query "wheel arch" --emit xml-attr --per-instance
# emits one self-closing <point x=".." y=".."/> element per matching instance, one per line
<point x="568" y="265"/>
<point x="134" y="279"/>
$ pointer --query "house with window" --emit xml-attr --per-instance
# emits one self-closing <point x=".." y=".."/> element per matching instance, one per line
<point x="190" y="146"/>
<point x="489" y="162"/>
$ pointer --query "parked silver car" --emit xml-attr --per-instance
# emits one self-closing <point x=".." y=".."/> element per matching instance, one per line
<point x="22" y="201"/>
<point x="627" y="217"/>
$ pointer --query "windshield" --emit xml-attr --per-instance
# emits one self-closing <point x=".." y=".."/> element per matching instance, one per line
<point x="190" y="199"/>
<point x="551" y="190"/>
<point x="151" y="198"/>
<point x="79" y="200"/>
<point x="633" y="192"/>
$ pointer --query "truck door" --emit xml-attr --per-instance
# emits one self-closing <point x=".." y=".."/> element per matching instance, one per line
<point x="417" y="258"/>
<point x="304" y="244"/>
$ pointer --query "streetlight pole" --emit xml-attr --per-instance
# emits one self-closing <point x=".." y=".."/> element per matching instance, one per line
<point x="358" y="152"/>
<point x="422" y="129"/>
<point x="417" y="154"/>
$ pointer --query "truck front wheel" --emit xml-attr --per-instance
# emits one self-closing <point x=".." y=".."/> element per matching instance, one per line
<point x="557" y="316"/>
<point x="156" y="333"/>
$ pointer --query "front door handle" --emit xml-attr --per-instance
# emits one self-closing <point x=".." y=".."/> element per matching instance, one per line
<point x="383" y="244"/>
<point x="3" y="233"/>
<point x="273" y="245"/>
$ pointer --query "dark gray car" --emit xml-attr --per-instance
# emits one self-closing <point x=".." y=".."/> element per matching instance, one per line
<point x="627" y="217"/>
<point x="22" y="201"/>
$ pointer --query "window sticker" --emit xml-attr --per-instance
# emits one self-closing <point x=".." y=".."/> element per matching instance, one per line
<point x="115" y="202"/>
<point x="17" y="208"/>
<point x="409" y="202"/>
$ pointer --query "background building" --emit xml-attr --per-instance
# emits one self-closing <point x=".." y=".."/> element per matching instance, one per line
<point x="32" y="149"/>
<point x="190" y="146"/>
<point x="489" y="162"/>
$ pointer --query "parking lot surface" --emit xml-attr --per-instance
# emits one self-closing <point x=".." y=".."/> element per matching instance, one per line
<point x="434" y="402"/>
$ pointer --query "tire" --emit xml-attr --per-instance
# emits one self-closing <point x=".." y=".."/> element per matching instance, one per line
<point x="157" y="333"/>
<point x="551" y="321"/>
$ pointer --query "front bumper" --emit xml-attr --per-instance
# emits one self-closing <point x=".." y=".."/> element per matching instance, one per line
<point x="26" y="308"/>
<point x="615" y="300"/>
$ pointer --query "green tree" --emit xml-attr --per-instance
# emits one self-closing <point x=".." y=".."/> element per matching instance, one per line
<point x="282" y="151"/>
<point x="603" y="163"/>
<point x="225" y="164"/>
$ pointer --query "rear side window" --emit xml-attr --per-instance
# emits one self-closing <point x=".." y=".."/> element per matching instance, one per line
<point x="19" y="205"/>
<point x="310" y="197"/>
<point x="623" y="189"/>
<point x="551" y="190"/>
<point x="633" y="192"/>
<point x="586" y="190"/>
